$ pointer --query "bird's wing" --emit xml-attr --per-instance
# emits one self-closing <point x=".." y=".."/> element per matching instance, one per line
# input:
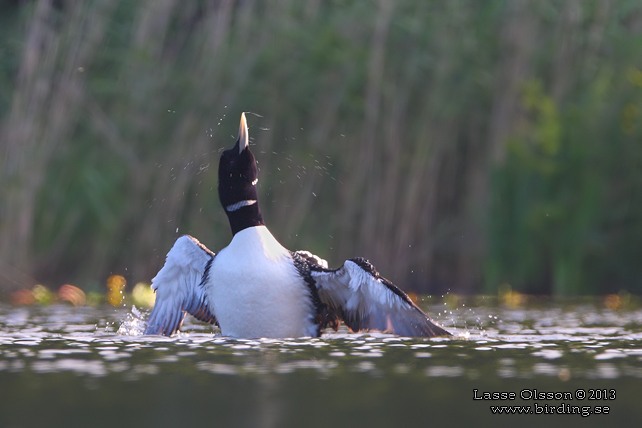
<point x="179" y="287"/>
<point x="365" y="300"/>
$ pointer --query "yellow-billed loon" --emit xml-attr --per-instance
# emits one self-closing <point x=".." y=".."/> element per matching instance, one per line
<point x="255" y="287"/>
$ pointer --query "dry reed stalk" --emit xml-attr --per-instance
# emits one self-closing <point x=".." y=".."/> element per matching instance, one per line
<point x="46" y="98"/>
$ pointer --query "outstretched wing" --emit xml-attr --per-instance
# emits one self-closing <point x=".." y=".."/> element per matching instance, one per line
<point x="365" y="300"/>
<point x="178" y="287"/>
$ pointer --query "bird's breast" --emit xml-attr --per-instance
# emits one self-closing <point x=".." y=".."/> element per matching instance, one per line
<point x="255" y="290"/>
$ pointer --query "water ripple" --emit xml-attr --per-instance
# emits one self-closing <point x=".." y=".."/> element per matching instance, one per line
<point x="581" y="341"/>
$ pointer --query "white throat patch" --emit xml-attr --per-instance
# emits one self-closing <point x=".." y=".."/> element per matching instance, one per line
<point x="239" y="205"/>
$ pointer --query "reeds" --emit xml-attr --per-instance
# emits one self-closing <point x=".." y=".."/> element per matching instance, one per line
<point x="435" y="138"/>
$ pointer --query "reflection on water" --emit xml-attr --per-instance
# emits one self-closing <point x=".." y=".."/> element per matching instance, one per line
<point x="97" y="342"/>
<point x="272" y="382"/>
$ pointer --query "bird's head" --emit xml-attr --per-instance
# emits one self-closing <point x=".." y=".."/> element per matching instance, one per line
<point x="237" y="181"/>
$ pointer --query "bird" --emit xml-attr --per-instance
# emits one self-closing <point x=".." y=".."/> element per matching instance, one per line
<point x="256" y="288"/>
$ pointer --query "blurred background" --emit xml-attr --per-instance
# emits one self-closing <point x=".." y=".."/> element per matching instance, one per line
<point x="460" y="145"/>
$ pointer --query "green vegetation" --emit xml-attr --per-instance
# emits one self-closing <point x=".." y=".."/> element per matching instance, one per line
<point x="459" y="145"/>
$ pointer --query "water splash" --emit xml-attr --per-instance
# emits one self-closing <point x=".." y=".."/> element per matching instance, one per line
<point x="134" y="323"/>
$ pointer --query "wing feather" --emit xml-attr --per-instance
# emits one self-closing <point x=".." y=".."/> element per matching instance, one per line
<point x="367" y="301"/>
<point x="178" y="287"/>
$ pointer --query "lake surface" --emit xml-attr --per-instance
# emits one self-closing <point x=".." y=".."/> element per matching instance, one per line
<point x="62" y="366"/>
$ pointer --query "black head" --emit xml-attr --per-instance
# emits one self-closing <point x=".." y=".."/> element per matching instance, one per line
<point x="237" y="179"/>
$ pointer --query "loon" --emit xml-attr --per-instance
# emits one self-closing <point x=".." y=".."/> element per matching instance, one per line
<point x="256" y="288"/>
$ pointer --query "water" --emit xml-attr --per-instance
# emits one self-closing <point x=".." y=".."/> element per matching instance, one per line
<point x="64" y="366"/>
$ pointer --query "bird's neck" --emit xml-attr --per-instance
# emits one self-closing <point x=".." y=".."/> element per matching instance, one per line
<point x="242" y="218"/>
